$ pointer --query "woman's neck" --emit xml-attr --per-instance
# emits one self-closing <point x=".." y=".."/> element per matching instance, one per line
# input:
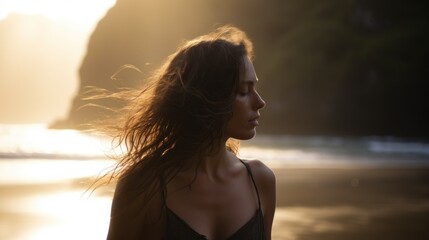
<point x="215" y="163"/>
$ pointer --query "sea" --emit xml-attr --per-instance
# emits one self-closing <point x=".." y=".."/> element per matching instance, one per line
<point x="41" y="171"/>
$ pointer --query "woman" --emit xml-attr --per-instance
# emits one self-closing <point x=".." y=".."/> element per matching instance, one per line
<point x="180" y="177"/>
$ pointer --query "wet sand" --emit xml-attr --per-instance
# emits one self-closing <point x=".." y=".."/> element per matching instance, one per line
<point x="353" y="203"/>
<point x="329" y="203"/>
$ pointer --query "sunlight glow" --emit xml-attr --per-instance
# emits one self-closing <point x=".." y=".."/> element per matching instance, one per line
<point x="47" y="38"/>
<point x="63" y="215"/>
<point x="34" y="171"/>
<point x="45" y="180"/>
<point x="56" y="155"/>
<point x="76" y="11"/>
<point x="37" y="139"/>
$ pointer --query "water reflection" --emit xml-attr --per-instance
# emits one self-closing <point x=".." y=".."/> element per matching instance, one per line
<point x="52" y="212"/>
<point x="293" y="223"/>
<point x="32" y="171"/>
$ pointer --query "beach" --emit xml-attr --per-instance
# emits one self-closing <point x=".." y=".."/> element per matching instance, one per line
<point x="352" y="203"/>
<point x="312" y="203"/>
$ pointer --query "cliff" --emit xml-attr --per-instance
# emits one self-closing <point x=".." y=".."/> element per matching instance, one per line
<point x="343" y="67"/>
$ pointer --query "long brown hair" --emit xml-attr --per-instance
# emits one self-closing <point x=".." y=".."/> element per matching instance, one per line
<point x="182" y="112"/>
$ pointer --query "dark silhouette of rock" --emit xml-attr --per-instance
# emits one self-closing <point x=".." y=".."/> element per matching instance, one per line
<point x="344" y="67"/>
<point x="141" y="33"/>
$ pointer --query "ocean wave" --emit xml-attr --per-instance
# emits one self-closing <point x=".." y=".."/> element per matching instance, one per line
<point x="399" y="147"/>
<point x="39" y="142"/>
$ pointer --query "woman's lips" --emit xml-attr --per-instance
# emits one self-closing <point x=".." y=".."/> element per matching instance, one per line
<point x="254" y="122"/>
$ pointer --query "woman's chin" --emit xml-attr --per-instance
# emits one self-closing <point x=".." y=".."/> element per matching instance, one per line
<point x="246" y="135"/>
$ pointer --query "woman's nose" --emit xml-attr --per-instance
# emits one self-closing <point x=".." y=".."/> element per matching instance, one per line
<point x="260" y="103"/>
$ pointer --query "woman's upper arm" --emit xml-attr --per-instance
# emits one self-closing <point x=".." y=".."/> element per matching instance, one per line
<point x="123" y="217"/>
<point x="129" y="219"/>
<point x="266" y="183"/>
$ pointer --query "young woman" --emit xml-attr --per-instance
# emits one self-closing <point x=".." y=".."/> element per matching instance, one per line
<point x="180" y="177"/>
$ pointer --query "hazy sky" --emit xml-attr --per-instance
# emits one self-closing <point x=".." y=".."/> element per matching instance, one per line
<point x="42" y="43"/>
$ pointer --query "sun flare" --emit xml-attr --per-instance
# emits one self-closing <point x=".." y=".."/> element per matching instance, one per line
<point x="76" y="11"/>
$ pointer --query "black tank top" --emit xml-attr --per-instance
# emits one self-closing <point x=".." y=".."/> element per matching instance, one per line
<point x="178" y="229"/>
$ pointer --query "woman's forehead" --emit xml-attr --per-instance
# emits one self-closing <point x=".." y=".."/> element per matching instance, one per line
<point x="248" y="74"/>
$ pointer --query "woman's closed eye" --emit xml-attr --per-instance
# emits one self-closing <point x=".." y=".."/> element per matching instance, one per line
<point x="243" y="93"/>
<point x="243" y="90"/>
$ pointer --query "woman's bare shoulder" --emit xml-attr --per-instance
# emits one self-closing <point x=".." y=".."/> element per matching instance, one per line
<point x="266" y="182"/>
<point x="262" y="173"/>
<point x="132" y="216"/>
<point x="130" y="196"/>
<point x="126" y="195"/>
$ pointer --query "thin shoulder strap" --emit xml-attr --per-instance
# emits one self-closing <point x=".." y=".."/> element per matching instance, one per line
<point x="253" y="180"/>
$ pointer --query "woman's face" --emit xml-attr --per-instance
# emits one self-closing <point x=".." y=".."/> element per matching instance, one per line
<point x="246" y="105"/>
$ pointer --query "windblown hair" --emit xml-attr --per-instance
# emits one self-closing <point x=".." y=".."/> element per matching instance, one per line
<point x="182" y="113"/>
